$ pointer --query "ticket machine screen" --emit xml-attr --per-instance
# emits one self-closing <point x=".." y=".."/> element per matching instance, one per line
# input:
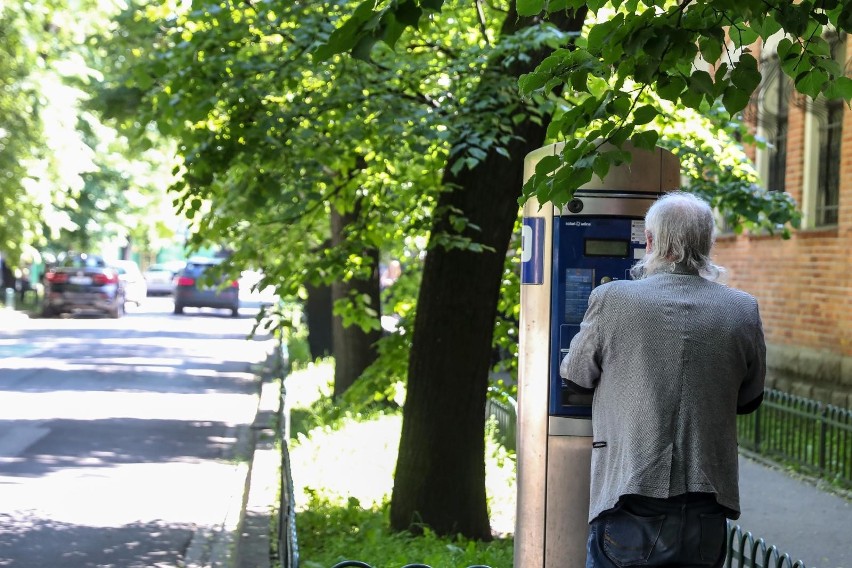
<point x="591" y="251"/>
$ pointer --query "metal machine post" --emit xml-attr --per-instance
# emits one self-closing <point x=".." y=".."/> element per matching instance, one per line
<point x="595" y="238"/>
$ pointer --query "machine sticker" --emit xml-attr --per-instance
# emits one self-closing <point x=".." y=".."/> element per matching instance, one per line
<point x="637" y="231"/>
<point x="578" y="286"/>
<point x="532" y="250"/>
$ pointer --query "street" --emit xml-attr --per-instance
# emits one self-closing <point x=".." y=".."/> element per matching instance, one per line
<point x="119" y="439"/>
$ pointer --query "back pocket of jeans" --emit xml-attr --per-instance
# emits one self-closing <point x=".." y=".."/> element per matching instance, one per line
<point x="713" y="537"/>
<point x="629" y="539"/>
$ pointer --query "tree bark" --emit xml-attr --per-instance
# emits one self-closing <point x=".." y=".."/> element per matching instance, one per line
<point x="440" y="472"/>
<point x="354" y="348"/>
<point x="319" y="319"/>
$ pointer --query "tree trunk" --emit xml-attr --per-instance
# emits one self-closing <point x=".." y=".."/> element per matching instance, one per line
<point x="354" y="348"/>
<point x="440" y="472"/>
<point x="319" y="318"/>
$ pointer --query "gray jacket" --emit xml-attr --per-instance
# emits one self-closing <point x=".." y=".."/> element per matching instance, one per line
<point x="672" y="358"/>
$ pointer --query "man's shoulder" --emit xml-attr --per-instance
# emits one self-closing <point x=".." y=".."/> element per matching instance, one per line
<point x="734" y="294"/>
<point x="663" y="284"/>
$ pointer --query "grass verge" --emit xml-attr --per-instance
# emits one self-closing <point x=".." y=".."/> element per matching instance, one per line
<point x="343" y="475"/>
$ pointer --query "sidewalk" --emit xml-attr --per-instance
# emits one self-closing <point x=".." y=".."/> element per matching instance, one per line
<point x="794" y="515"/>
<point x="11" y="320"/>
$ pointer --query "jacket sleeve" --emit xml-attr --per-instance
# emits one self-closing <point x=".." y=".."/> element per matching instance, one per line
<point x="581" y="366"/>
<point x="751" y="389"/>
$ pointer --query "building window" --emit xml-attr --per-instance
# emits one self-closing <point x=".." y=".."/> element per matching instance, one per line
<point x="770" y="111"/>
<point x="828" y="183"/>
<point x="822" y="143"/>
<point x="777" y="133"/>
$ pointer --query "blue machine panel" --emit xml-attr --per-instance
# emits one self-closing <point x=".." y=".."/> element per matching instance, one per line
<point x="532" y="250"/>
<point x="587" y="252"/>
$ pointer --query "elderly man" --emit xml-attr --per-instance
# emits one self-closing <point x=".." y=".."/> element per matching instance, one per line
<point x="672" y="357"/>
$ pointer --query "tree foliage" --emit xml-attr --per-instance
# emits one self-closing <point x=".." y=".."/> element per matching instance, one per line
<point x="68" y="180"/>
<point x="283" y="112"/>
<point x="635" y="57"/>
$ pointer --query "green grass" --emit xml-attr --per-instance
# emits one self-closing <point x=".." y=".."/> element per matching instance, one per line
<point x="342" y="473"/>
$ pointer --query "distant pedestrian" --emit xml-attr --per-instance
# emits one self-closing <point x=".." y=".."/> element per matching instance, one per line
<point x="390" y="274"/>
<point x="672" y="357"/>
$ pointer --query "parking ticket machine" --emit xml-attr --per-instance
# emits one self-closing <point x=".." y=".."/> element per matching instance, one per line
<point x="566" y="253"/>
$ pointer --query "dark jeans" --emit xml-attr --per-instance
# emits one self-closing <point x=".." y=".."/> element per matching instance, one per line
<point x="685" y="531"/>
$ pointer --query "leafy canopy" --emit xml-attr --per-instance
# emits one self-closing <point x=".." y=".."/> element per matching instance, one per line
<point x="692" y="54"/>
<point x="634" y="57"/>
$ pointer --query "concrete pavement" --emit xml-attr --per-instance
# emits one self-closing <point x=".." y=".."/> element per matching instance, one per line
<point x="792" y="513"/>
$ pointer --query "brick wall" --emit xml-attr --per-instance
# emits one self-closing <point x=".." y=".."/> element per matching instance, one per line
<point x="804" y="285"/>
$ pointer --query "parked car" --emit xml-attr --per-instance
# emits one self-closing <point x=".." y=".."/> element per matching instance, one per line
<point x="194" y="290"/>
<point x="135" y="287"/>
<point x="82" y="282"/>
<point x="160" y="280"/>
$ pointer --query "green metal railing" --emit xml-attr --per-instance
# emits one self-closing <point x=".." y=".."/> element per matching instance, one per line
<point x="811" y="435"/>
<point x="744" y="551"/>
<point x="359" y="564"/>
<point x="505" y="414"/>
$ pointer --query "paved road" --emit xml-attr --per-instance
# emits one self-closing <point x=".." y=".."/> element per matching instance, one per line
<point x="119" y="438"/>
<point x="809" y="524"/>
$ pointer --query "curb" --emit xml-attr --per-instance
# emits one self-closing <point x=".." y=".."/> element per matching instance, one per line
<point x="242" y="540"/>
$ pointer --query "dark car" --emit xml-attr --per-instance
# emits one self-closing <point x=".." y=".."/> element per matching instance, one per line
<point x="82" y="282"/>
<point x="194" y="289"/>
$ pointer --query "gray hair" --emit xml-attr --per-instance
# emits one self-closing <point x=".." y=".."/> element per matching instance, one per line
<point x="683" y="232"/>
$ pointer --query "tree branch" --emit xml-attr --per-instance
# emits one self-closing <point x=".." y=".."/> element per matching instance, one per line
<point x="482" y="26"/>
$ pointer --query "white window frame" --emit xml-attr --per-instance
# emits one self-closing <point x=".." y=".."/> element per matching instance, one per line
<point x="768" y="100"/>
<point x="811" y="165"/>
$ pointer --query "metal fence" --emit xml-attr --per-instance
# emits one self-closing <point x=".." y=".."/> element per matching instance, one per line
<point x="506" y="416"/>
<point x="744" y="551"/>
<point x="287" y="541"/>
<point x="814" y="436"/>
<point x="359" y="564"/>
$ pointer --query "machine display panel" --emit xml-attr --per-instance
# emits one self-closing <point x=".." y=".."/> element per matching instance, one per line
<point x="607" y="247"/>
<point x="591" y="251"/>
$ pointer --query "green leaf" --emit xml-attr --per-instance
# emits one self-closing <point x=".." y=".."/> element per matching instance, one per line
<point x="532" y="82"/>
<point x="347" y="35"/>
<point x="409" y="13"/>
<point x="530" y="7"/>
<point x="811" y="82"/>
<point x="691" y="99"/>
<point x="600" y="33"/>
<point x="844" y="20"/>
<point x="735" y="99"/>
<point x="702" y="82"/>
<point x="362" y="49"/>
<point x="601" y="166"/>
<point x="745" y="75"/>
<point x="644" y="115"/>
<point x="840" y="88"/>
<point x="568" y="179"/>
<point x="547" y="165"/>
<point x="670" y="87"/>
<point x="645" y="140"/>
<point x="742" y="36"/>
<point x="711" y="49"/>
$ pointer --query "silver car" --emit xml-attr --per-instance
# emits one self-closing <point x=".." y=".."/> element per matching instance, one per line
<point x="160" y="280"/>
